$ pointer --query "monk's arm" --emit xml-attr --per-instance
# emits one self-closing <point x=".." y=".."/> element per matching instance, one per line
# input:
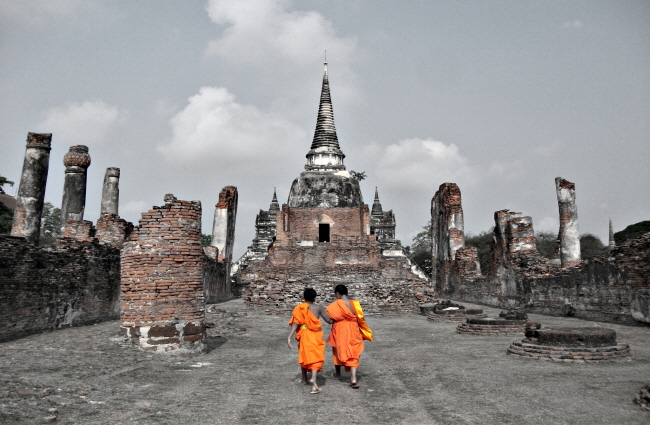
<point x="294" y="326"/>
<point x="326" y="317"/>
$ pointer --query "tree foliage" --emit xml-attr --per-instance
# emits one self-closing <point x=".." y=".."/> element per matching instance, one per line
<point x="482" y="242"/>
<point x="420" y="249"/>
<point x="206" y="240"/>
<point x="546" y="243"/>
<point x="591" y="246"/>
<point x="632" y="231"/>
<point x="358" y="176"/>
<point x="50" y="224"/>
<point x="4" y="181"/>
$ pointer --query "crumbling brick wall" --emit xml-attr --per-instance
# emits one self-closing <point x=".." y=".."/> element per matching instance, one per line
<point x="162" y="279"/>
<point x="69" y="283"/>
<point x="216" y="277"/>
<point x="383" y="286"/>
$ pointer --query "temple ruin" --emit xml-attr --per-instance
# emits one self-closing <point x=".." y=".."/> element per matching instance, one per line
<point x="615" y="287"/>
<point x="325" y="235"/>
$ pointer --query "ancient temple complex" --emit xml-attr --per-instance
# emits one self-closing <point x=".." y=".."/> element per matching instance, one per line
<point x="325" y="235"/>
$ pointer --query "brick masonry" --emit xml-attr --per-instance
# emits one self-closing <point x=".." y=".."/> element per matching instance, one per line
<point x="69" y="283"/>
<point x="528" y="349"/>
<point x="162" y="279"/>
<point x="383" y="285"/>
<point x="612" y="288"/>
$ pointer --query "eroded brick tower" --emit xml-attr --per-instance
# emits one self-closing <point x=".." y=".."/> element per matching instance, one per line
<point x="325" y="235"/>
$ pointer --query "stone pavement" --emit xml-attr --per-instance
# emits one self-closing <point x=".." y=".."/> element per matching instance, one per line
<point x="415" y="372"/>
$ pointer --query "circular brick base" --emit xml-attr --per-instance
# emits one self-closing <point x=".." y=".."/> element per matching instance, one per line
<point x="527" y="348"/>
<point x="453" y="316"/>
<point x="491" y="329"/>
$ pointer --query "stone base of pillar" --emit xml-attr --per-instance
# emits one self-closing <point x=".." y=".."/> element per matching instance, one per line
<point x="175" y="338"/>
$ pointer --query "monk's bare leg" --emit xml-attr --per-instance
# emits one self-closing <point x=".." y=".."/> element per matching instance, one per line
<point x="304" y="376"/>
<point x="314" y="374"/>
<point x="353" y="379"/>
<point x="337" y="372"/>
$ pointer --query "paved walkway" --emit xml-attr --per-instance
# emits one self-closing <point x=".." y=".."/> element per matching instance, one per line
<point x="416" y="372"/>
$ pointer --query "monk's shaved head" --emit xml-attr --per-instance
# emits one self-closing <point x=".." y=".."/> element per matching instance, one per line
<point x="310" y="294"/>
<point x="341" y="289"/>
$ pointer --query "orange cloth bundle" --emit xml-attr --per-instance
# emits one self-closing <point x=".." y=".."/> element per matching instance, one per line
<point x="366" y="332"/>
<point x="311" y="346"/>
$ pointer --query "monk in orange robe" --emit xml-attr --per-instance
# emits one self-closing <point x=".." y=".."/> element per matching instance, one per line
<point x="305" y="323"/>
<point x="345" y="338"/>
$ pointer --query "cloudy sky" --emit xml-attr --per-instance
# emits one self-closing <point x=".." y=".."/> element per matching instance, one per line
<point x="499" y="97"/>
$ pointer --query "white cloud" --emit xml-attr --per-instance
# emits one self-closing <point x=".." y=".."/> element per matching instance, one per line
<point x="87" y="123"/>
<point x="213" y="126"/>
<point x="574" y="24"/>
<point x="263" y="32"/>
<point x="420" y="164"/>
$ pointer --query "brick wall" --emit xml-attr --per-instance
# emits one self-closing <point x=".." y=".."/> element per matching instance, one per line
<point x="302" y="223"/>
<point x="383" y="286"/>
<point x="112" y="230"/>
<point x="162" y="279"/>
<point x="69" y="283"/>
<point x="216" y="279"/>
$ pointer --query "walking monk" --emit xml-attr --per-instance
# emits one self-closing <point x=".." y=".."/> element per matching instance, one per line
<point x="345" y="338"/>
<point x="305" y="323"/>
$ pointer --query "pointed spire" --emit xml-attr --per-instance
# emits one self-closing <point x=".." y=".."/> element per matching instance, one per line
<point x="612" y="242"/>
<point x="376" y="205"/>
<point x="325" y="134"/>
<point x="275" y="206"/>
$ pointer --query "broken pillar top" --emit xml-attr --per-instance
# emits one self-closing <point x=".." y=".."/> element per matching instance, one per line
<point x="39" y="140"/>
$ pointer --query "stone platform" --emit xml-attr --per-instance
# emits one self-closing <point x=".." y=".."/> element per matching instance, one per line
<point x="578" y="345"/>
<point x="488" y="326"/>
<point x="446" y="311"/>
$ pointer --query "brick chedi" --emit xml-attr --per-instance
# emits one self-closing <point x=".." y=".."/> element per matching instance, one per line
<point x="325" y="235"/>
<point x="161" y="279"/>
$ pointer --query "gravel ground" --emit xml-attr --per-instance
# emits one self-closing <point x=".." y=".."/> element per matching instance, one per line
<point x="415" y="372"/>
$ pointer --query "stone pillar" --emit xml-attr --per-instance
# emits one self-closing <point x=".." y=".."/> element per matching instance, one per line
<point x="612" y="241"/>
<point x="569" y="234"/>
<point x="163" y="306"/>
<point x="111" y="192"/>
<point x="76" y="163"/>
<point x="223" y="228"/>
<point x="31" y="192"/>
<point x="447" y="233"/>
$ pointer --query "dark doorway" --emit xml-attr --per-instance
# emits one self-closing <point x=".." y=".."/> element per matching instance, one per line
<point x="323" y="232"/>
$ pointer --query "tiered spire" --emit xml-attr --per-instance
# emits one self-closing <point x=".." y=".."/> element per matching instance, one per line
<point x="325" y="153"/>
<point x="376" y="205"/>
<point x="275" y="205"/>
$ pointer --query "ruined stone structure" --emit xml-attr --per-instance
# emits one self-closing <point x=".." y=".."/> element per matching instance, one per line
<point x="569" y="235"/>
<point x="325" y="235"/>
<point x="111" y="192"/>
<point x="162" y="279"/>
<point x="216" y="272"/>
<point x="76" y="162"/>
<point x="612" y="288"/>
<point x="31" y="191"/>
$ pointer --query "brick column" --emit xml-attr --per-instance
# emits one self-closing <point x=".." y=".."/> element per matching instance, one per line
<point x="447" y="232"/>
<point x="31" y="192"/>
<point x="161" y="279"/>
<point x="76" y="163"/>
<point x="569" y="233"/>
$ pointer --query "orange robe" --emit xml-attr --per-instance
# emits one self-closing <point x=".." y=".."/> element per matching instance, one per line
<point x="311" y="345"/>
<point x="345" y="337"/>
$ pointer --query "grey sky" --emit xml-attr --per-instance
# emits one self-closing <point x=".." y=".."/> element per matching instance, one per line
<point x="499" y="97"/>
